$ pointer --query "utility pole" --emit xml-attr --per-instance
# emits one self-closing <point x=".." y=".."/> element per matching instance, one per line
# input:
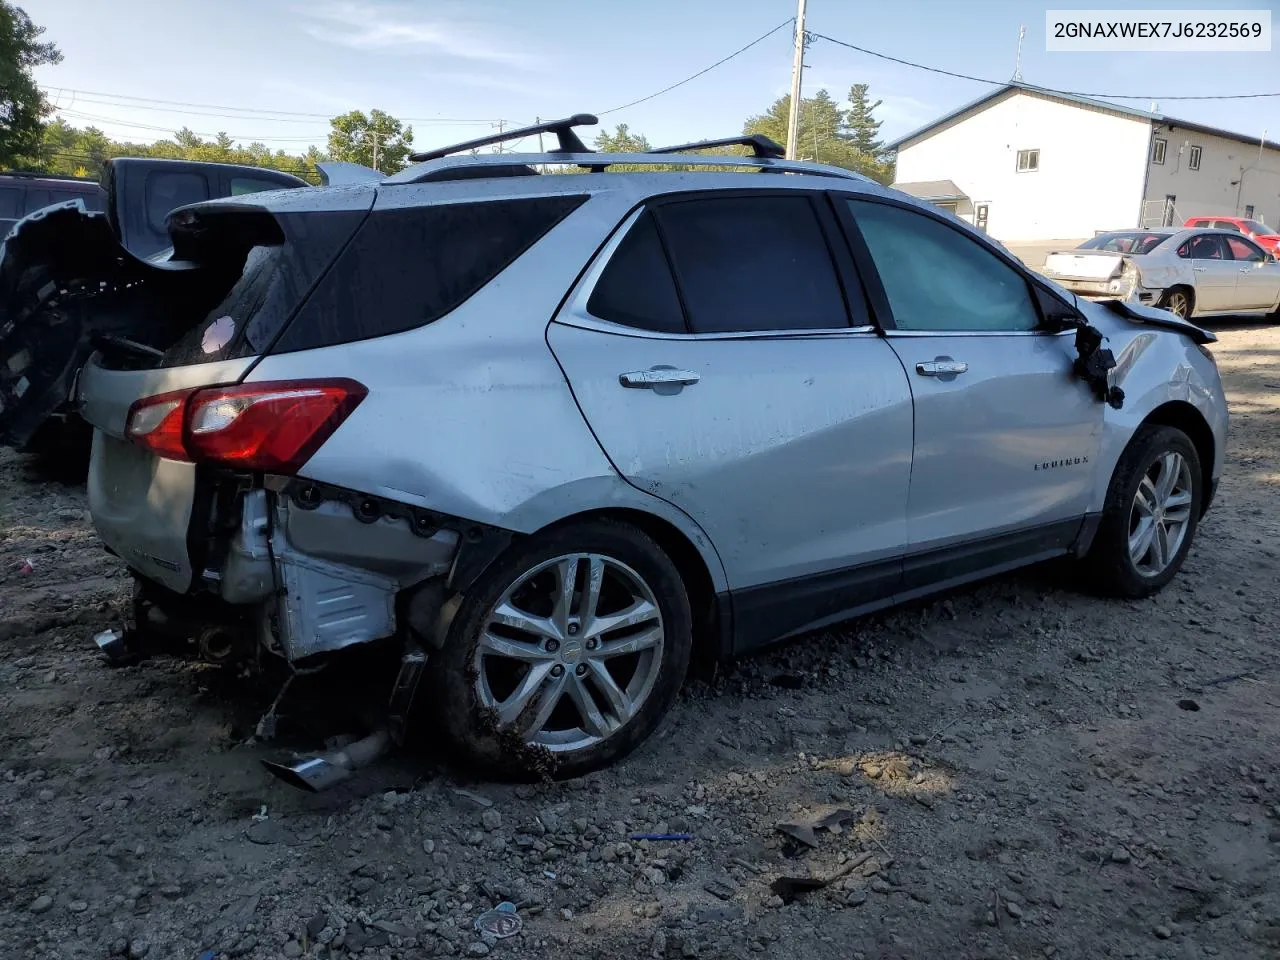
<point x="501" y="125"/>
<point x="797" y="70"/>
<point x="373" y="135"/>
<point x="1017" y="67"/>
<point x="538" y="122"/>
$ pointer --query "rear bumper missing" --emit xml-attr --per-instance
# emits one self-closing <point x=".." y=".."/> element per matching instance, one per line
<point x="324" y="567"/>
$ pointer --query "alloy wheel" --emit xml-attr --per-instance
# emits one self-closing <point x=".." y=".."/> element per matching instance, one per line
<point x="1179" y="304"/>
<point x="1161" y="514"/>
<point x="570" y="652"/>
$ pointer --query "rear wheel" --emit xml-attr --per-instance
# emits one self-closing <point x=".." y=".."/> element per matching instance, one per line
<point x="565" y="655"/>
<point x="1179" y="301"/>
<point x="1151" y="514"/>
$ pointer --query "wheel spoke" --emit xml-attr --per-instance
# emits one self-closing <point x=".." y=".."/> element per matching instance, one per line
<point x="513" y="649"/>
<point x="641" y="611"/>
<point x="645" y="640"/>
<point x="511" y="616"/>
<point x="1145" y="500"/>
<point x="590" y="598"/>
<point x="566" y="577"/>
<point x="509" y="710"/>
<point x="552" y="691"/>
<point x="619" y="703"/>
<point x="1140" y="540"/>
<point x="1170" y="467"/>
<point x="1160" y="547"/>
<point x="593" y="721"/>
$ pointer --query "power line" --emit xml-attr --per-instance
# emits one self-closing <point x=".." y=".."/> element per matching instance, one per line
<point x="1001" y="83"/>
<point x="161" y="129"/>
<point x="233" y="111"/>
<point x="695" y="76"/>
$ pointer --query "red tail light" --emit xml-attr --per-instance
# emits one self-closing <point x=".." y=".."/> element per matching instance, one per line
<point x="272" y="427"/>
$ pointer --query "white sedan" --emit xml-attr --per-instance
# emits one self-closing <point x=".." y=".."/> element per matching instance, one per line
<point x="1189" y="272"/>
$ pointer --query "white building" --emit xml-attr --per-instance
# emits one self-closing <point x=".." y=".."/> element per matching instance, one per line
<point x="1030" y="166"/>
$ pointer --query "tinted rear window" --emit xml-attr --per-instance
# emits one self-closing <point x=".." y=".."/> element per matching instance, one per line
<point x="261" y="288"/>
<point x="409" y="267"/>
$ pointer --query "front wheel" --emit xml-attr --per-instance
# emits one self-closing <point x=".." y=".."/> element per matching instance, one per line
<point x="565" y="654"/>
<point x="1151" y="514"/>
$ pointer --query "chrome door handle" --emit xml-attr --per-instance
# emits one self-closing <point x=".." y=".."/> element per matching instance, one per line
<point x="942" y="367"/>
<point x="658" y="377"/>
<point x="1198" y="269"/>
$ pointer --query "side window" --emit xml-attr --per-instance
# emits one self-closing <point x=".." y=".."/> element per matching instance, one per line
<point x="167" y="191"/>
<point x="936" y="278"/>
<point x="10" y="203"/>
<point x="243" y="185"/>
<point x="753" y="264"/>
<point x="1206" y="246"/>
<point x="1242" y="249"/>
<point x="409" y="267"/>
<point x="636" y="287"/>
<point x="1227" y="225"/>
<point x="37" y="200"/>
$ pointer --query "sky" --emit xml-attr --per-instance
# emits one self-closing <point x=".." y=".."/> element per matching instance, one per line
<point x="275" y="70"/>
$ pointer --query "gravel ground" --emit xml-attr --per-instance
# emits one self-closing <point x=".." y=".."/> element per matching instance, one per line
<point x="1024" y="771"/>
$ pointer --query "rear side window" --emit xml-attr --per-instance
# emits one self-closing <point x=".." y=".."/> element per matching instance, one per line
<point x="748" y="264"/>
<point x="636" y="287"/>
<point x="1207" y="246"/>
<point x="92" y="198"/>
<point x="10" y="203"/>
<point x="406" y="268"/>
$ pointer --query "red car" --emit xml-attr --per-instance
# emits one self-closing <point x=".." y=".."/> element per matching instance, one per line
<point x="1265" y="236"/>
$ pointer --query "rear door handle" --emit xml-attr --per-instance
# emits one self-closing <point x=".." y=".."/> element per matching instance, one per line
<point x="660" y="376"/>
<point x="942" y="367"/>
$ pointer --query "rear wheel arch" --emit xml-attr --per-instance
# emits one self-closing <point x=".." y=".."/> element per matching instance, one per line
<point x="1184" y="416"/>
<point x="1186" y="291"/>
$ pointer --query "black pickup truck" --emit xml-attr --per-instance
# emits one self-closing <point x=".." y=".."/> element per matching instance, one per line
<point x="45" y="335"/>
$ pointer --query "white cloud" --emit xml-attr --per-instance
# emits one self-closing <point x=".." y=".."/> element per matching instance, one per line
<point x="383" y="26"/>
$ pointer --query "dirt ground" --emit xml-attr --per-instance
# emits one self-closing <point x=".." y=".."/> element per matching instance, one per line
<point x="1028" y="772"/>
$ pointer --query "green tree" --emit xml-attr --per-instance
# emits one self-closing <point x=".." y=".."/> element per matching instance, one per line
<point x="860" y="123"/>
<point x="355" y="137"/>
<point x="823" y="134"/>
<point x="22" y="105"/>
<point x="622" y="140"/>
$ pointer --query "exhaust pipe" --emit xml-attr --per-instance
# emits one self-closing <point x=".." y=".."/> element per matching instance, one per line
<point x="323" y="771"/>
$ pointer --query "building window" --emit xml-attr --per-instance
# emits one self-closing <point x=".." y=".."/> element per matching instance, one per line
<point x="1158" y="148"/>
<point x="1028" y="161"/>
<point x="1248" y="211"/>
<point x="1194" y="162"/>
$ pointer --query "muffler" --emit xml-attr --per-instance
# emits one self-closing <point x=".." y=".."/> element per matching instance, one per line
<point x="323" y="771"/>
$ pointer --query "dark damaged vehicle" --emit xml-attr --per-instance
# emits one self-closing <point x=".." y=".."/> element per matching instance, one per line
<point x="49" y="319"/>
<point x="547" y="438"/>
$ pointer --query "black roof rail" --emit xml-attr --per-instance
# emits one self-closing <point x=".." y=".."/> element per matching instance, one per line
<point x="37" y="175"/>
<point x="761" y="146"/>
<point x="563" y="129"/>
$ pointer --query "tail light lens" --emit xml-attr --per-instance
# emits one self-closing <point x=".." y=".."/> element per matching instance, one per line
<point x="271" y="427"/>
<point x="156" y="423"/>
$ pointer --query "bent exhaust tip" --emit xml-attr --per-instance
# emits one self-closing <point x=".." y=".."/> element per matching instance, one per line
<point x="326" y="770"/>
<point x="314" y="775"/>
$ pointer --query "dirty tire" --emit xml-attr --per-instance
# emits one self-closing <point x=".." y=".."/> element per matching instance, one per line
<point x="1109" y="564"/>
<point x="452" y="704"/>
<point x="1180" y="301"/>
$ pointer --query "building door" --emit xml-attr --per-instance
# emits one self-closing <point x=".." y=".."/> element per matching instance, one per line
<point x="980" y="216"/>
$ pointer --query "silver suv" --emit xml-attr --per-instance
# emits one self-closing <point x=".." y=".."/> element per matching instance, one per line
<point x="552" y="436"/>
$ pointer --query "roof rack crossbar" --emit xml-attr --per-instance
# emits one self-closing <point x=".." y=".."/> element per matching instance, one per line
<point x="761" y="146"/>
<point x="563" y="129"/>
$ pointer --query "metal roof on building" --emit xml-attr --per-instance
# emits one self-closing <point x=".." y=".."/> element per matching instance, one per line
<point x="1089" y="102"/>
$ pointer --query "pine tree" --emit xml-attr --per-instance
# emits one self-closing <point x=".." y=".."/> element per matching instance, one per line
<point x="861" y="127"/>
